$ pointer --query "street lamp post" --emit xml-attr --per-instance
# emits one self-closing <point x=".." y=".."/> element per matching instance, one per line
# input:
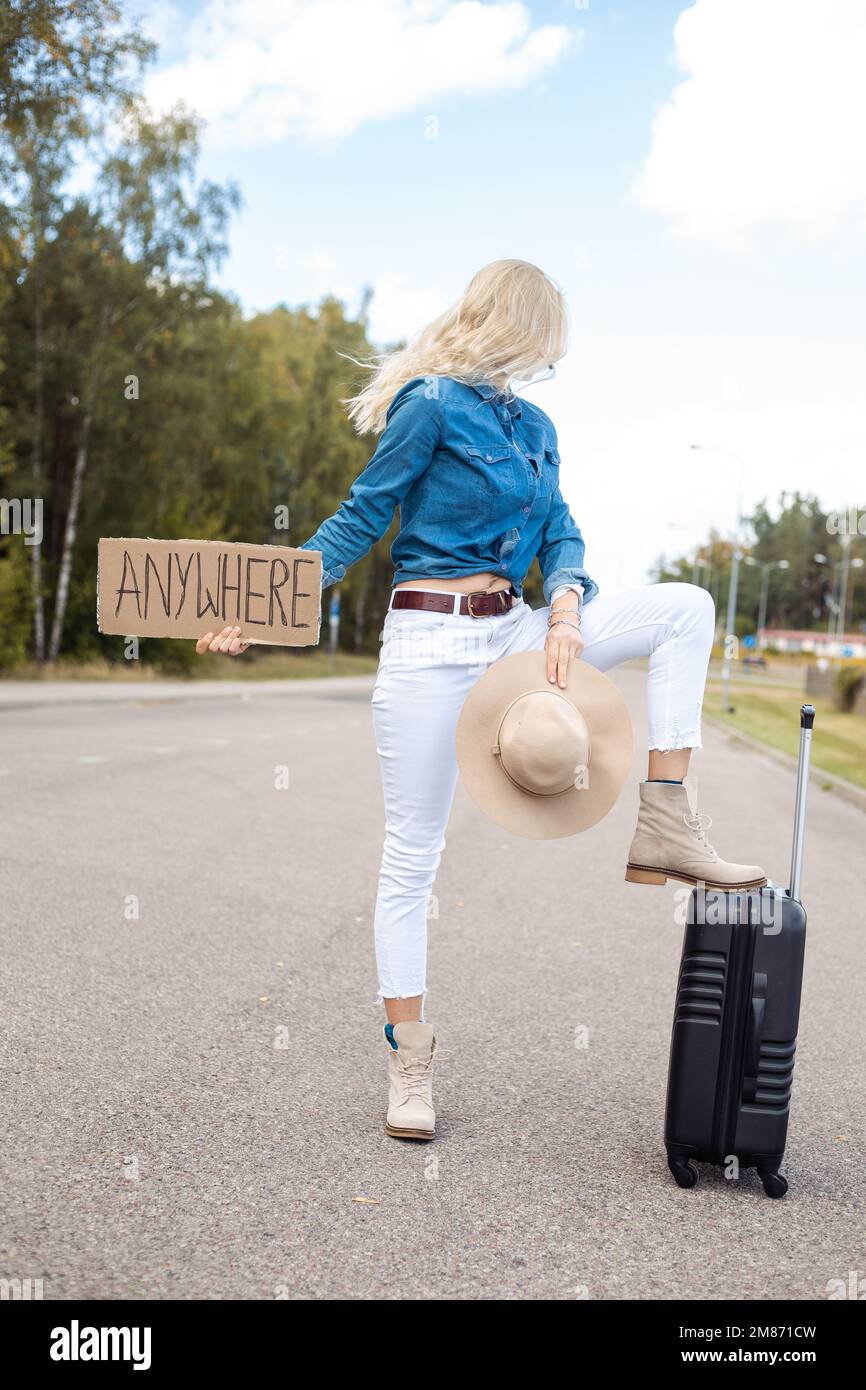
<point x="730" y="636"/>
<point x="765" y="595"/>
<point x="698" y="566"/>
<point x="841" y="585"/>
<point x="844" y="568"/>
<point x="845" y="588"/>
<point x="833" y="606"/>
<point x="766" y="568"/>
<point x="831" y="602"/>
<point x="737" y="555"/>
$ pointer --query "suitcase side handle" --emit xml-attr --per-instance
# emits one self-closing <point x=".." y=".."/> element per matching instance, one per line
<point x="755" y="1036"/>
<point x="807" y="720"/>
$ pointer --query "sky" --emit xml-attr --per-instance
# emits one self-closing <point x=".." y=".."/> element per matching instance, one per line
<point x="693" y="176"/>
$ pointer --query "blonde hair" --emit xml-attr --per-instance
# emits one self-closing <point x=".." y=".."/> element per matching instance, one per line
<point x="510" y="321"/>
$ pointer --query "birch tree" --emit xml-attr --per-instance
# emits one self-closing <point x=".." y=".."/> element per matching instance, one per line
<point x="65" y="69"/>
<point x="172" y="233"/>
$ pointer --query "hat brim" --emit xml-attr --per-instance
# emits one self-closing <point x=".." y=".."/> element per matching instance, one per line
<point x="611" y="748"/>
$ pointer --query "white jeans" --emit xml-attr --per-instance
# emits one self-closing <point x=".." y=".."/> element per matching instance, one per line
<point x="427" y="665"/>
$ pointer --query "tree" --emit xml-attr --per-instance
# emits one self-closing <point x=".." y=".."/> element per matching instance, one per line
<point x="159" y="233"/>
<point x="64" y="69"/>
<point x="800" y="594"/>
<point x="135" y="398"/>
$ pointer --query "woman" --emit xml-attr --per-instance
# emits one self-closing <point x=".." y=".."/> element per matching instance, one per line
<point x="474" y="469"/>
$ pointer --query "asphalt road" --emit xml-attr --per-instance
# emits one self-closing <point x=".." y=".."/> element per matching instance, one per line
<point x="194" y="1071"/>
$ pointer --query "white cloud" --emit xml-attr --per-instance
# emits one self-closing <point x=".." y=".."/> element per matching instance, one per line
<point x="261" y="70"/>
<point x="774" y="416"/>
<point x="399" y="309"/>
<point x="767" y="128"/>
<point x="162" y="22"/>
<point x="322" y="276"/>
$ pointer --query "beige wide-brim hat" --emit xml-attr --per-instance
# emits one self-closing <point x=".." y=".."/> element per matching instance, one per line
<point x="541" y="761"/>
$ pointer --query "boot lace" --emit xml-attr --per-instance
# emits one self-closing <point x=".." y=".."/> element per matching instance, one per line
<point x="414" y="1072"/>
<point x="700" y="824"/>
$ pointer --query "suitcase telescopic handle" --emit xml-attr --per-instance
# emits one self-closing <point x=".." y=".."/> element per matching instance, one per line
<point x="807" y="720"/>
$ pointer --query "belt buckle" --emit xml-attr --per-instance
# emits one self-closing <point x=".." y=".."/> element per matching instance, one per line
<point x="500" y="596"/>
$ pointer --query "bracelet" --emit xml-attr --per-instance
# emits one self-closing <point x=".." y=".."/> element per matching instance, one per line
<point x="556" y="613"/>
<point x="577" y="611"/>
<point x="569" y="618"/>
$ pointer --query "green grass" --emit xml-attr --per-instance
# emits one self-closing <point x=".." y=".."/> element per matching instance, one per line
<point x="770" y="716"/>
<point x="253" y="665"/>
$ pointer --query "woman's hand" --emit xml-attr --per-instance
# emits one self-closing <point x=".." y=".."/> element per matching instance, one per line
<point x="564" y="641"/>
<point x="227" y="641"/>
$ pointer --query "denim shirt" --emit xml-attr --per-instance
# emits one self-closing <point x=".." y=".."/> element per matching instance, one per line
<point x="475" y="474"/>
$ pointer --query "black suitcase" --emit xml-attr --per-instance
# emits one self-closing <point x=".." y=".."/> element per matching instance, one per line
<point x="735" y="1020"/>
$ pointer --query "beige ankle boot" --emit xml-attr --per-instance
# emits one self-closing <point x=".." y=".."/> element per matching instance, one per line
<point x="410" y="1076"/>
<point x="671" y="842"/>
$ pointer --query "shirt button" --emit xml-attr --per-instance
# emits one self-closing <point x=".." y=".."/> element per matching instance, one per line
<point x="526" y="511"/>
<point x="489" y="458"/>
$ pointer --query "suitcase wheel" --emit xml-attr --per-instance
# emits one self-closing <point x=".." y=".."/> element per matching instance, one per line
<point x="774" y="1184"/>
<point x="685" y="1173"/>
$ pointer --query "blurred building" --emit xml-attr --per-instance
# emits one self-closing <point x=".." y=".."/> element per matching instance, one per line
<point x="827" y="644"/>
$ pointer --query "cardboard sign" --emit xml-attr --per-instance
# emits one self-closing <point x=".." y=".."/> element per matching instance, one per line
<point x="149" y="588"/>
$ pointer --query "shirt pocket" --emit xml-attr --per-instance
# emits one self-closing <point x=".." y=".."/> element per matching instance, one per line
<point x="549" y="480"/>
<point x="490" y="470"/>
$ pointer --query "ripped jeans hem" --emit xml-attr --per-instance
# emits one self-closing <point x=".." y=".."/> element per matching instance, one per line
<point x="670" y="743"/>
<point x="405" y="994"/>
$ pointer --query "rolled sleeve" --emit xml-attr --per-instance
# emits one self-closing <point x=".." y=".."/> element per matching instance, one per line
<point x="560" y="555"/>
<point x="405" y="450"/>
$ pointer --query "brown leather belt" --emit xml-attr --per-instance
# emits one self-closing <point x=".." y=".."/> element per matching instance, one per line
<point x="479" y="605"/>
